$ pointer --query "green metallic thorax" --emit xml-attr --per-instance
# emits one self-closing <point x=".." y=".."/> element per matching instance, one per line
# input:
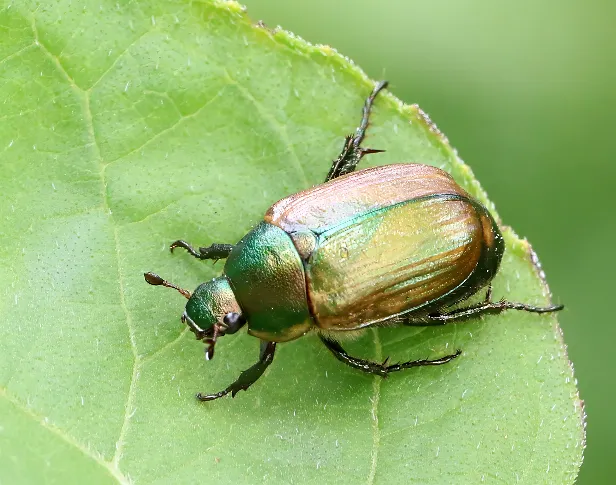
<point x="268" y="279"/>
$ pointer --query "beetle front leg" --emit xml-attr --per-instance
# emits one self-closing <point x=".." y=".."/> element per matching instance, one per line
<point x="249" y="376"/>
<point x="383" y="369"/>
<point x="215" y="251"/>
<point x="352" y="152"/>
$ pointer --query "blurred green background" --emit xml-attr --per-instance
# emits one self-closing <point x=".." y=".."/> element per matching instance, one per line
<point x="526" y="92"/>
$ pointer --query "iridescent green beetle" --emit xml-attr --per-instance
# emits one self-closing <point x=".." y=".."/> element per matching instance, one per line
<point x="392" y="245"/>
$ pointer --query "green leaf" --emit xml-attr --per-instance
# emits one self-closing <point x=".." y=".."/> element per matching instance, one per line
<point x="128" y="125"/>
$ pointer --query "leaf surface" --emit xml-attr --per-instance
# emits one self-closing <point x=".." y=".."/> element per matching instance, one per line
<point x="128" y="126"/>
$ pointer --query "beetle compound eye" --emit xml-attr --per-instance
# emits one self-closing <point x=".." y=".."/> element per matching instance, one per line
<point x="230" y="318"/>
<point x="233" y="322"/>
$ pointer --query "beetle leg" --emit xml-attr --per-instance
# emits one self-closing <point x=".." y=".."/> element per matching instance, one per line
<point x="383" y="369"/>
<point x="361" y="364"/>
<point x="249" y="376"/>
<point x="423" y="362"/>
<point x="352" y="152"/>
<point x="215" y="251"/>
<point x="487" y="307"/>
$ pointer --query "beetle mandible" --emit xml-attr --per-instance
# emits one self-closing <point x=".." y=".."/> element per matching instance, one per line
<point x="392" y="245"/>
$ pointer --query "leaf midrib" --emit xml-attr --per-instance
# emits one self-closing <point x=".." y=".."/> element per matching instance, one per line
<point x="113" y="465"/>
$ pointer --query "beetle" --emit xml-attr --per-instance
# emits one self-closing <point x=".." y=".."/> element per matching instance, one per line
<point x="392" y="245"/>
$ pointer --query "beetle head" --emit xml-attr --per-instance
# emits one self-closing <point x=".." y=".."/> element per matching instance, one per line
<point x="211" y="311"/>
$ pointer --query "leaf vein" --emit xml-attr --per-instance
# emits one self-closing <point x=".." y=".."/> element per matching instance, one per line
<point x="376" y="430"/>
<point x="167" y="130"/>
<point x="118" y="57"/>
<point x="16" y="53"/>
<point x="27" y="411"/>
<point x="278" y="128"/>
<point x="54" y="59"/>
<point x="168" y="345"/>
<point x="128" y="411"/>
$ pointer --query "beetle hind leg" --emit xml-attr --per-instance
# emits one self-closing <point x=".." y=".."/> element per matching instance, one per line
<point x="215" y="251"/>
<point x="383" y="369"/>
<point x="352" y="152"/>
<point x="487" y="307"/>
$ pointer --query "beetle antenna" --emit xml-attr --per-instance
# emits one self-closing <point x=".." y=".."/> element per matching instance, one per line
<point x="156" y="280"/>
